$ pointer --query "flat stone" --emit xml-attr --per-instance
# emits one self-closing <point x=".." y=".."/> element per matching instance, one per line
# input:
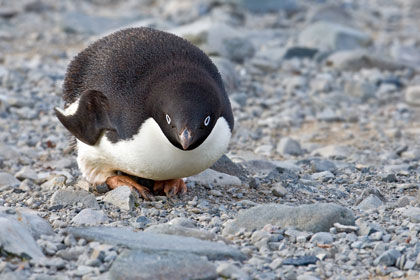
<point x="231" y="271"/>
<point x="323" y="165"/>
<point x="311" y="217"/>
<point x="367" y="228"/>
<point x="29" y="219"/>
<point x="332" y="151"/>
<point x="370" y="202"/>
<point x="7" y="179"/>
<point x="279" y="190"/>
<point x="164" y="265"/>
<point x="288" y="146"/>
<point x="70" y="198"/>
<point x="322" y="238"/>
<point x="345" y="228"/>
<point x="387" y="258"/>
<point x="16" y="239"/>
<point x="300" y="52"/>
<point x="90" y="217"/>
<point x="182" y="222"/>
<point x="153" y="242"/>
<point x="181" y="231"/>
<point x="331" y="36"/>
<point x="413" y="213"/>
<point x="301" y="261"/>
<point x="355" y="60"/>
<point x="27" y="173"/>
<point x="412" y="95"/>
<point x="323" y="176"/>
<point x="226" y="165"/>
<point x="121" y="197"/>
<point x="210" y="176"/>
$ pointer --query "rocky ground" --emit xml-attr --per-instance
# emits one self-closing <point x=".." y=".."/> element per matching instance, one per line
<point x="321" y="178"/>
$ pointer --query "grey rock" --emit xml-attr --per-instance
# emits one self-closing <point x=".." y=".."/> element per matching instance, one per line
<point x="225" y="165"/>
<point x="331" y="13"/>
<point x="330" y="36"/>
<point x="311" y="217"/>
<point x="333" y="151"/>
<point x="388" y="258"/>
<point x="29" y="219"/>
<point x="301" y="261"/>
<point x="182" y="222"/>
<point x="27" y="173"/>
<point x="412" y="95"/>
<point x="153" y="242"/>
<point x="70" y="197"/>
<point x="300" y="52"/>
<point x="259" y="167"/>
<point x="323" y="165"/>
<point x="288" y="146"/>
<point x="231" y="271"/>
<point x="181" y="231"/>
<point x="322" y="238"/>
<point x="370" y="202"/>
<point x="90" y="217"/>
<point x="7" y="179"/>
<point x="75" y="21"/>
<point x="323" y="176"/>
<point x="16" y="239"/>
<point x="279" y="190"/>
<point x="228" y="73"/>
<point x="121" y="197"/>
<point x="264" y="6"/>
<point x="413" y="213"/>
<point x="164" y="265"/>
<point x="210" y="176"/>
<point x="345" y="228"/>
<point x="360" y="89"/>
<point x="366" y="228"/>
<point x="355" y="60"/>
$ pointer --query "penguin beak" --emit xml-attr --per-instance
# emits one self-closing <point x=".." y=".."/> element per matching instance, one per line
<point x="185" y="138"/>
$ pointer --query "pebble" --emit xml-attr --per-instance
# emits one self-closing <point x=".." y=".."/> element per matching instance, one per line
<point x="90" y="217"/>
<point x="231" y="271"/>
<point x="388" y="258"/>
<point x="181" y="231"/>
<point x="370" y="202"/>
<point x="70" y="198"/>
<point x="279" y="190"/>
<point x="210" y="176"/>
<point x="7" y="179"/>
<point x="166" y="265"/>
<point x="313" y="218"/>
<point x="121" y="197"/>
<point x="288" y="146"/>
<point x="412" y="95"/>
<point x="322" y="238"/>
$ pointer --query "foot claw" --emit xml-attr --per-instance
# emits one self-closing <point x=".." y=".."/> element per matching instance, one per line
<point x="170" y="187"/>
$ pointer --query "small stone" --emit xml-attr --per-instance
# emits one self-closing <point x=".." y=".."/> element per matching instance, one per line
<point x="182" y="222"/>
<point x="181" y="231"/>
<point x="311" y="218"/>
<point x="370" y="202"/>
<point x="210" y="176"/>
<point x="413" y="213"/>
<point x="70" y="198"/>
<point x="27" y="173"/>
<point x="279" y="190"/>
<point x="412" y="95"/>
<point x="121" y="197"/>
<point x="301" y="261"/>
<point x="90" y="217"/>
<point x="288" y="146"/>
<point x="166" y="265"/>
<point x="323" y="176"/>
<point x="366" y="228"/>
<point x="331" y="36"/>
<point x="388" y="258"/>
<point x="322" y="238"/>
<point x="323" y="165"/>
<point x="15" y="239"/>
<point x="231" y="271"/>
<point x="216" y="193"/>
<point x="333" y="151"/>
<point x="345" y="228"/>
<point x="7" y="179"/>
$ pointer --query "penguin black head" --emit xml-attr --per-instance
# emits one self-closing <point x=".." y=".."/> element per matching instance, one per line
<point x="188" y="114"/>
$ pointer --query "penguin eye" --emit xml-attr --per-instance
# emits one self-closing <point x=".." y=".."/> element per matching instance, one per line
<point x="168" y="119"/>
<point x="207" y="121"/>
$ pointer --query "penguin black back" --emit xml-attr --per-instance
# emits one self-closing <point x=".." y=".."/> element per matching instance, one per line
<point x="130" y="72"/>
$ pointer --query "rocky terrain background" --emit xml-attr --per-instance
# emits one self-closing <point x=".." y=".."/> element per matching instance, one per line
<point x="321" y="178"/>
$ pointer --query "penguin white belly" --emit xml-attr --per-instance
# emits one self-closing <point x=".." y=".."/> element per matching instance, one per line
<point x="149" y="154"/>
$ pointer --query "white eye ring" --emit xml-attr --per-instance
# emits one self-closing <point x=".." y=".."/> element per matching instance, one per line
<point x="207" y="121"/>
<point x="168" y="119"/>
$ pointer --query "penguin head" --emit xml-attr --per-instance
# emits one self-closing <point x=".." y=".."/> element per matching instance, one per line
<point x="188" y="114"/>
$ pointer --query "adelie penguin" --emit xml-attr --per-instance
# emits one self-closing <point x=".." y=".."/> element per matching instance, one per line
<point x="148" y="104"/>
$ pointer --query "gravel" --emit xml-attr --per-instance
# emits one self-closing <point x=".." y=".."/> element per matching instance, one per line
<point x="321" y="177"/>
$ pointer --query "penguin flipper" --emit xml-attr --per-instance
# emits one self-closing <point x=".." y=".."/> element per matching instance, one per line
<point x="90" y="118"/>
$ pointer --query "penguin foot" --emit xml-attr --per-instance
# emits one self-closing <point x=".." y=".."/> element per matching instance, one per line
<point x="170" y="187"/>
<point x="120" y="180"/>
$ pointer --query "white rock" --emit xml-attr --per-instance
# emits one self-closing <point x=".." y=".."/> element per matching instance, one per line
<point x="121" y="197"/>
<point x="90" y="217"/>
<point x="210" y="176"/>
